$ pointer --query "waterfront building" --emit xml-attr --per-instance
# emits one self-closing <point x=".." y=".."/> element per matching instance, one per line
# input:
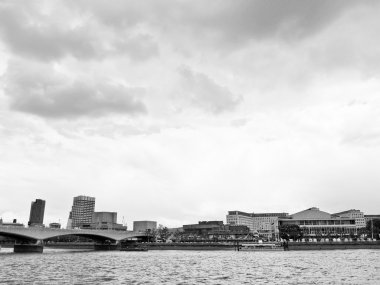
<point x="142" y="226"/>
<point x="353" y="214"/>
<point x="81" y="211"/>
<point x="264" y="225"/>
<point x="215" y="229"/>
<point x="37" y="211"/>
<point x="314" y="223"/>
<point x="202" y="228"/>
<point x="240" y="218"/>
<point x="106" y="221"/>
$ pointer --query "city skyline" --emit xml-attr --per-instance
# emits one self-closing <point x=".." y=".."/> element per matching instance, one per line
<point x="183" y="110"/>
<point x="85" y="207"/>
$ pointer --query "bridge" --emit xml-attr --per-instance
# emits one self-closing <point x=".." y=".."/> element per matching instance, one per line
<point x="33" y="237"/>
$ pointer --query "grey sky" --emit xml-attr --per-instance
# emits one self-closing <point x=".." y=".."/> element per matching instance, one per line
<point x="179" y="111"/>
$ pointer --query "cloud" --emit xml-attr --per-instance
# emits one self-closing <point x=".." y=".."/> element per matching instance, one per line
<point x="39" y="33"/>
<point x="242" y="20"/>
<point x="229" y="22"/>
<point x="205" y="93"/>
<point x="95" y="29"/>
<point x="39" y="89"/>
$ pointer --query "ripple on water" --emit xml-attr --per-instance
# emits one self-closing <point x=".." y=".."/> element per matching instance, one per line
<point x="191" y="267"/>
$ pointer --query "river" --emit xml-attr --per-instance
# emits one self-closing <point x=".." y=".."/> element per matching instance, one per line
<point x="190" y="267"/>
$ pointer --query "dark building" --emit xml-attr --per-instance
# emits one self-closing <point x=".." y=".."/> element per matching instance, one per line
<point x="37" y="211"/>
<point x="215" y="229"/>
<point x="202" y="228"/>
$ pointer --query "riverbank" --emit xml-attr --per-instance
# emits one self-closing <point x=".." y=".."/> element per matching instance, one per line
<point x="191" y="246"/>
<point x="292" y="246"/>
<point x="333" y="245"/>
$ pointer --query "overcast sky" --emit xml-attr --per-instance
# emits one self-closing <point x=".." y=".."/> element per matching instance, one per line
<point x="178" y="111"/>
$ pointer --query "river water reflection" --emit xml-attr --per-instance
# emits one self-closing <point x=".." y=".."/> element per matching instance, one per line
<point x="191" y="267"/>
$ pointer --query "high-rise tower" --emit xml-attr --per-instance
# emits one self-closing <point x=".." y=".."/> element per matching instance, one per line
<point x="37" y="211"/>
<point x="82" y="210"/>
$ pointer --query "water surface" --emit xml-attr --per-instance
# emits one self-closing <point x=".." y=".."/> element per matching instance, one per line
<point x="191" y="267"/>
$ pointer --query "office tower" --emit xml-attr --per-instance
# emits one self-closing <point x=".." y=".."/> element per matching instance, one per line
<point x="37" y="211"/>
<point x="82" y="210"/>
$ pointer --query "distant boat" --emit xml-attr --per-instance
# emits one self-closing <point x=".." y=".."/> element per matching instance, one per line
<point x="261" y="247"/>
<point x="134" y="249"/>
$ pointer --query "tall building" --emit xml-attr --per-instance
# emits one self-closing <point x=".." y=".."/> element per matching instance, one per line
<point x="37" y="211"/>
<point x="81" y="211"/>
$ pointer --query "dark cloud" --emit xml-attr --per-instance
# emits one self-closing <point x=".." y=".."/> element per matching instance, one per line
<point x="29" y="32"/>
<point x="228" y="21"/>
<point x="41" y="91"/>
<point x="97" y="29"/>
<point x="289" y="19"/>
<point x="205" y="93"/>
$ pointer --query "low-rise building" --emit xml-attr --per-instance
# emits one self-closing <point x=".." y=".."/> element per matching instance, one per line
<point x="264" y="225"/>
<point x="357" y="215"/>
<point x="215" y="229"/>
<point x="13" y="224"/>
<point x="106" y="221"/>
<point x="143" y="226"/>
<point x="202" y="228"/>
<point x="314" y="223"/>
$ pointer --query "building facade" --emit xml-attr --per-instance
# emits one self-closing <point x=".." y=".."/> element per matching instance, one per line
<point x="215" y="229"/>
<point x="357" y="215"/>
<point x="202" y="228"/>
<point x="13" y="224"/>
<point x="81" y="211"/>
<point x="142" y="226"/>
<point x="240" y="218"/>
<point x="316" y="223"/>
<point x="264" y="225"/>
<point x="37" y="211"/>
<point x="369" y="218"/>
<point x="106" y="221"/>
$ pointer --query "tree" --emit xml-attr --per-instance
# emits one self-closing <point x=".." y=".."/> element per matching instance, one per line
<point x="178" y="235"/>
<point x="151" y="234"/>
<point x="163" y="232"/>
<point x="293" y="232"/>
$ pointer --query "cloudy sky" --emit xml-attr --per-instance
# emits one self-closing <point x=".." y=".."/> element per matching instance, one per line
<point x="178" y="111"/>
